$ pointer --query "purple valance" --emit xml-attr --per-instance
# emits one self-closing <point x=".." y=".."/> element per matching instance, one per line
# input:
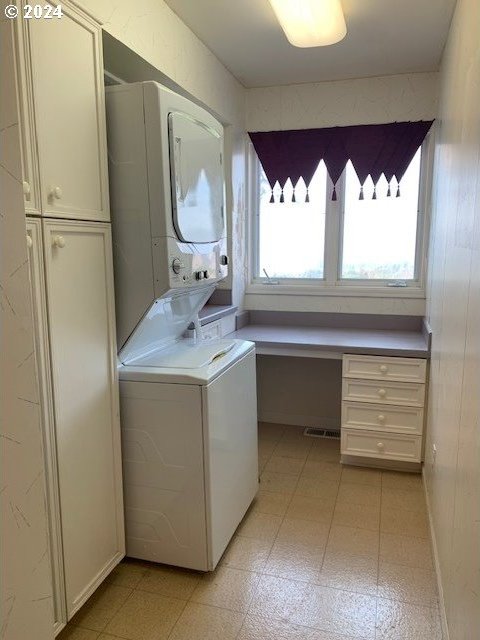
<point x="374" y="149"/>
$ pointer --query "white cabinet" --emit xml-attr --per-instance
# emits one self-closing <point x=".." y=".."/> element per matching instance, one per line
<point x="382" y="409"/>
<point x="83" y="419"/>
<point x="60" y="83"/>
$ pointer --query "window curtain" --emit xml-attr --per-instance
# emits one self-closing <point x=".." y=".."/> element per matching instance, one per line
<point x="373" y="149"/>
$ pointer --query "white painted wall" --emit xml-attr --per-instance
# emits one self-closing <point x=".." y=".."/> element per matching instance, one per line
<point x="453" y="478"/>
<point x="27" y="608"/>
<point x="410" y="96"/>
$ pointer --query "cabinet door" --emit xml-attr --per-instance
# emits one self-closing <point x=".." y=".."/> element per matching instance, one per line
<point x="69" y="111"/>
<point x="42" y="357"/>
<point x="78" y="261"/>
<point x="28" y="144"/>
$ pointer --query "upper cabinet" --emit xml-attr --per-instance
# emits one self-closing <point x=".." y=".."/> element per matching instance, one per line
<point x="60" y="81"/>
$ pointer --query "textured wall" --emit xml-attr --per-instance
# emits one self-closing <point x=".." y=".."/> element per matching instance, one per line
<point x="26" y="589"/>
<point x="452" y="476"/>
<point x="410" y="96"/>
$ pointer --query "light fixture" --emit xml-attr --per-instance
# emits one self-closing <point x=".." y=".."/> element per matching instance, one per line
<point x="311" y="23"/>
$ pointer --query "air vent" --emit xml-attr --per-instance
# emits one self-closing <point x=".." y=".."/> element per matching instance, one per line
<point x="315" y="432"/>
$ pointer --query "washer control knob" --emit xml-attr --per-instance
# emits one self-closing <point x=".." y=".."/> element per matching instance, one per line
<point x="199" y="275"/>
<point x="205" y="274"/>
<point x="176" y="265"/>
<point x="223" y="260"/>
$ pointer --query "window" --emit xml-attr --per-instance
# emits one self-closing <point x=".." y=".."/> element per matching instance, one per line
<point x="347" y="242"/>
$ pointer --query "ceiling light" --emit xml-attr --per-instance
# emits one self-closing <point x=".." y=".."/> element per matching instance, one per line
<point x="311" y="23"/>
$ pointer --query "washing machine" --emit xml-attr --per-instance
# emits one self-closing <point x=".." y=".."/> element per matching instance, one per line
<point x="188" y="406"/>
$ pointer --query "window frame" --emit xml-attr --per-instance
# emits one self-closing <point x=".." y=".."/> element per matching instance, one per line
<point x="332" y="283"/>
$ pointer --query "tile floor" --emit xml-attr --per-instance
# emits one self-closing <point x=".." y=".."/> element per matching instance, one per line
<point x="325" y="553"/>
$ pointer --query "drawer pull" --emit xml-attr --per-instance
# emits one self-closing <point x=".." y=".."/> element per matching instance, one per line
<point x="380" y="446"/>
<point x="382" y="393"/>
<point x="381" y="418"/>
<point x="383" y="368"/>
<point x="59" y="242"/>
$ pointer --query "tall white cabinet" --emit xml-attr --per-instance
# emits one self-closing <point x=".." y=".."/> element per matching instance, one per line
<point x="64" y="159"/>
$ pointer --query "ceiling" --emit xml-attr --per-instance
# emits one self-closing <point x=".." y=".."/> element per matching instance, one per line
<point x="384" y="37"/>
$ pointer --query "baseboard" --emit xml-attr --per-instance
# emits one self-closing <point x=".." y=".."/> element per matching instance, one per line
<point x="298" y="420"/>
<point x="441" y="599"/>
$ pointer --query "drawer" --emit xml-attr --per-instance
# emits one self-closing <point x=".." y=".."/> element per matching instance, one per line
<point x="385" y="392"/>
<point x="378" y="417"/>
<point x="384" y="368"/>
<point x="380" y="445"/>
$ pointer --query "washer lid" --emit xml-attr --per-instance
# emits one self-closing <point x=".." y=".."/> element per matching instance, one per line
<point x="186" y="361"/>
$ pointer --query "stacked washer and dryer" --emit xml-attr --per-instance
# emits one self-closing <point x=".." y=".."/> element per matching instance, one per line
<point x="188" y="406"/>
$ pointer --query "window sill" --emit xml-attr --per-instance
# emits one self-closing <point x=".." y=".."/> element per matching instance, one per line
<point x="342" y="291"/>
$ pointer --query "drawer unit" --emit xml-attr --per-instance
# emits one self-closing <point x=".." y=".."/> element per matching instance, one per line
<point x="384" y="368"/>
<point x="383" y="408"/>
<point x="410" y="394"/>
<point x="386" y="446"/>
<point x="377" y="417"/>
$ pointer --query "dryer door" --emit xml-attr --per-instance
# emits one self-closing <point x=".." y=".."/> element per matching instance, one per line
<point x="196" y="178"/>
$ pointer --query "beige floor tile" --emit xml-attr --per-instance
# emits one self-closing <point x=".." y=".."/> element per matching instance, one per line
<point x="279" y="598"/>
<point x="266" y="448"/>
<point x="271" y="502"/>
<point x="361" y="516"/>
<point x="292" y="449"/>
<point x="349" y="572"/>
<point x="399" y="480"/>
<point x="353" y="541"/>
<point x="409" y="523"/>
<point x="406" y="550"/>
<point x="128" y="573"/>
<point x="262" y="463"/>
<point x="278" y="482"/>
<point x="247" y="553"/>
<point x="228" y="588"/>
<point x="293" y="531"/>
<point x="101" y="607"/>
<point x="262" y="526"/>
<point x="280" y="464"/>
<point x="201" y="622"/>
<point x="359" y="475"/>
<point x="317" y="487"/>
<point x="322" y="608"/>
<point x="359" y="494"/>
<point x="146" y="616"/>
<point x="264" y="628"/>
<point x="108" y="636"/>
<point x="294" y="561"/>
<point x="322" y="469"/>
<point x="307" y="508"/>
<point x="408" y="584"/>
<point x="402" y="621"/>
<point x="270" y="430"/>
<point x="170" y="581"/>
<point x="77" y="633"/>
<point x="325" y="449"/>
<point x="406" y="499"/>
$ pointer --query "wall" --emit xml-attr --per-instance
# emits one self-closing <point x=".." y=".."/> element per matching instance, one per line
<point x="154" y="32"/>
<point x="453" y="476"/>
<point x="27" y="609"/>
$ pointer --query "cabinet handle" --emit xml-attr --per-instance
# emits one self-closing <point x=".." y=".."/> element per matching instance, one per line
<point x="29" y="242"/>
<point x="383" y="368"/>
<point x="58" y="241"/>
<point x="380" y="446"/>
<point x="55" y="192"/>
<point x="381" y="418"/>
<point x="382" y="393"/>
<point x="27" y="192"/>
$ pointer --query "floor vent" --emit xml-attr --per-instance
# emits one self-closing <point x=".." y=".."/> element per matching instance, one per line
<point x="315" y="432"/>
